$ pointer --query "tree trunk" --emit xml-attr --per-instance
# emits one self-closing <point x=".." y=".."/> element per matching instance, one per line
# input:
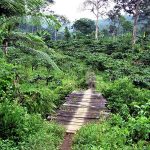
<point x="134" y="34"/>
<point x="32" y="29"/>
<point x="55" y="35"/>
<point x="136" y="17"/>
<point x="5" y="47"/>
<point x="97" y="28"/>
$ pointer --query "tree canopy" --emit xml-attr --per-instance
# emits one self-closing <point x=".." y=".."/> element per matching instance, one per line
<point x="84" y="25"/>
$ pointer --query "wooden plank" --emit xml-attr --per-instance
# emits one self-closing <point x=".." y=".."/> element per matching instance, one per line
<point x="68" y="108"/>
<point x="90" y="106"/>
<point x="83" y="111"/>
<point x="72" y="123"/>
<point x="66" y="120"/>
<point x="80" y="116"/>
<point x="81" y="96"/>
<point x="90" y="94"/>
<point x="86" y="103"/>
<point x="75" y="107"/>
<point x="72" y="129"/>
<point x="96" y="112"/>
<point x="69" y="119"/>
<point x="85" y="100"/>
<point x="79" y="113"/>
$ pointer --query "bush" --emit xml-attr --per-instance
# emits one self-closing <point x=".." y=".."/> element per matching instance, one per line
<point x="6" y="78"/>
<point x="114" y="134"/>
<point x="27" y="131"/>
<point x="125" y="99"/>
<point x="7" y="145"/>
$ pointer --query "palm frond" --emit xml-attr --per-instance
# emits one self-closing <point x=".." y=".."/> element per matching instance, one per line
<point x="33" y="45"/>
<point x="12" y="8"/>
<point x="19" y="7"/>
<point x="39" y="54"/>
<point x="29" y="39"/>
<point x="46" y="57"/>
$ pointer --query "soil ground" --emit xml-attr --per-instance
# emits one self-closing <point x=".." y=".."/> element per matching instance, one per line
<point x="67" y="143"/>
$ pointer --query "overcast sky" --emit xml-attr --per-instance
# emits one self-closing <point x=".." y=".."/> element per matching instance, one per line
<point x="71" y="9"/>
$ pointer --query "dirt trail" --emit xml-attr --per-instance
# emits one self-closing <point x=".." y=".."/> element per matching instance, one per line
<point x="67" y="143"/>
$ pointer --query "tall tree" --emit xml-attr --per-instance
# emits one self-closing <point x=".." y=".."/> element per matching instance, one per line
<point x="144" y="17"/>
<point x="113" y="16"/>
<point x="67" y="34"/>
<point x="84" y="25"/>
<point x="64" y="22"/>
<point x="125" y="24"/>
<point x="133" y="7"/>
<point x="98" y="8"/>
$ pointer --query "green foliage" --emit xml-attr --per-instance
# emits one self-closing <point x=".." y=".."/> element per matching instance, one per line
<point x="7" y="145"/>
<point x="6" y="80"/>
<point x="28" y="90"/>
<point x="26" y="131"/>
<point x="84" y="25"/>
<point x="36" y="99"/>
<point x="127" y="26"/>
<point x="67" y="34"/>
<point x="127" y="100"/>
<point x="128" y="128"/>
<point x="114" y="134"/>
<point x="45" y="35"/>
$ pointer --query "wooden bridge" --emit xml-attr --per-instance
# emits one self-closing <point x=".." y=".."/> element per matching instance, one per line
<point x="81" y="108"/>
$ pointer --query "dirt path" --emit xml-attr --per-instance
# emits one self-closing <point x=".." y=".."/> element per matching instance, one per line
<point x="67" y="143"/>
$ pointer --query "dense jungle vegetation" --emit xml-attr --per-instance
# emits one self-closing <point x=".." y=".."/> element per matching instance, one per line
<point x="40" y="66"/>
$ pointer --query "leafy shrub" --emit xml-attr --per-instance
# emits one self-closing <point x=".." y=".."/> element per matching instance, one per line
<point x="6" y="77"/>
<point x="114" y="134"/>
<point x="26" y="131"/>
<point x="125" y="99"/>
<point x="139" y="128"/>
<point x="36" y="99"/>
<point x="7" y="145"/>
